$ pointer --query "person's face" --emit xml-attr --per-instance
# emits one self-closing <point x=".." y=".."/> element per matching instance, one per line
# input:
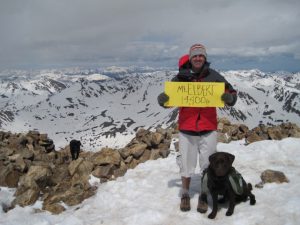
<point x="197" y="62"/>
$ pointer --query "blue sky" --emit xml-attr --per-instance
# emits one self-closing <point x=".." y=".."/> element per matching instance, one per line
<point x="260" y="34"/>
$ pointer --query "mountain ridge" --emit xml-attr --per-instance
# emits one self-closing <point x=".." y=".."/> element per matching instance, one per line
<point x="106" y="107"/>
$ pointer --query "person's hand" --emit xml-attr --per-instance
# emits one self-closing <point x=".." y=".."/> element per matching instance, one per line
<point x="227" y="98"/>
<point x="162" y="99"/>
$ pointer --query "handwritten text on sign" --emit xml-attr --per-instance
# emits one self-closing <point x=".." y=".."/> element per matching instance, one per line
<point x="194" y="94"/>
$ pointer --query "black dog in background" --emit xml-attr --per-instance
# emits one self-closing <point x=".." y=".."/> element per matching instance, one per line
<point x="219" y="181"/>
<point x="75" y="148"/>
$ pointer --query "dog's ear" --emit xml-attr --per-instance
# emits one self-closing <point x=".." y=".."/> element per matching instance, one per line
<point x="230" y="157"/>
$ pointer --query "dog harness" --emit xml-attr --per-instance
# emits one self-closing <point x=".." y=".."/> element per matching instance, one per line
<point x="235" y="179"/>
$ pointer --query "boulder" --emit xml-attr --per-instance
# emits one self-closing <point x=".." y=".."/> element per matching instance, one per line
<point x="107" y="156"/>
<point x="155" y="154"/>
<point x="146" y="156"/>
<point x="54" y="208"/>
<point x="275" y="133"/>
<point x="28" y="197"/>
<point x="273" y="176"/>
<point x="134" y="162"/>
<point x="252" y="136"/>
<point x="37" y="177"/>
<point x="103" y="171"/>
<point x="119" y="172"/>
<point x="9" y="177"/>
<point x="223" y="137"/>
<point x="135" y="150"/>
<point x="60" y="173"/>
<point x="156" y="139"/>
<point x="81" y="167"/>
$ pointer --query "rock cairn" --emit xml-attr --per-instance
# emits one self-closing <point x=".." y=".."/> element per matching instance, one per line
<point x="30" y="163"/>
<point x="231" y="132"/>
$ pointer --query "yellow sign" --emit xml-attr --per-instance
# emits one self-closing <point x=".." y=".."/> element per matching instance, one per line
<point x="194" y="94"/>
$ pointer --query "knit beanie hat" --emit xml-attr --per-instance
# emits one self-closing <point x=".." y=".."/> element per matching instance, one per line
<point x="197" y="49"/>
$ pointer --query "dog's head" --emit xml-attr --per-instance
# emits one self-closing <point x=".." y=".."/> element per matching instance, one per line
<point x="76" y="143"/>
<point x="220" y="163"/>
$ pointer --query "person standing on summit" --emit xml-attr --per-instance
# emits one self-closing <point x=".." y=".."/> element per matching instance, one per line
<point x="197" y="125"/>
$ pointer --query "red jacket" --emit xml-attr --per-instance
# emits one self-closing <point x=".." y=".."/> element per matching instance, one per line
<point x="197" y="119"/>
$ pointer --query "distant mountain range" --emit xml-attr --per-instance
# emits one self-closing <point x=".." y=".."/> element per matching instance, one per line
<point x="106" y="107"/>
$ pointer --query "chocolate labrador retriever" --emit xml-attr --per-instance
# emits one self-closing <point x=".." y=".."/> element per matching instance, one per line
<point x="220" y="176"/>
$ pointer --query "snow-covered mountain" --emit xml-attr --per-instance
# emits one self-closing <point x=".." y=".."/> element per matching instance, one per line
<point x="106" y="107"/>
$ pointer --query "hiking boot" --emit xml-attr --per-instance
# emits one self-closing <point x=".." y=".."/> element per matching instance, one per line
<point x="185" y="203"/>
<point x="202" y="204"/>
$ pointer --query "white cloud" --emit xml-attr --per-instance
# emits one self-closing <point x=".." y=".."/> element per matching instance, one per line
<point x="258" y="51"/>
<point x="65" y="31"/>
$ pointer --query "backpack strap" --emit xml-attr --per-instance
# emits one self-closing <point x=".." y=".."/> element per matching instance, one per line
<point x="236" y="181"/>
<point x="204" y="188"/>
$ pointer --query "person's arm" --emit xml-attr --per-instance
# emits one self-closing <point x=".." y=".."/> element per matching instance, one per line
<point x="184" y="75"/>
<point x="162" y="98"/>
<point x="230" y="94"/>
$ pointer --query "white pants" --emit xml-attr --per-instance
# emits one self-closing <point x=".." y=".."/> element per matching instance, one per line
<point x="193" y="147"/>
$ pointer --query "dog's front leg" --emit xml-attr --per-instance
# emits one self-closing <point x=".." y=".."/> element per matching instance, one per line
<point x="77" y="154"/>
<point x="213" y="214"/>
<point x="73" y="155"/>
<point x="231" y="203"/>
